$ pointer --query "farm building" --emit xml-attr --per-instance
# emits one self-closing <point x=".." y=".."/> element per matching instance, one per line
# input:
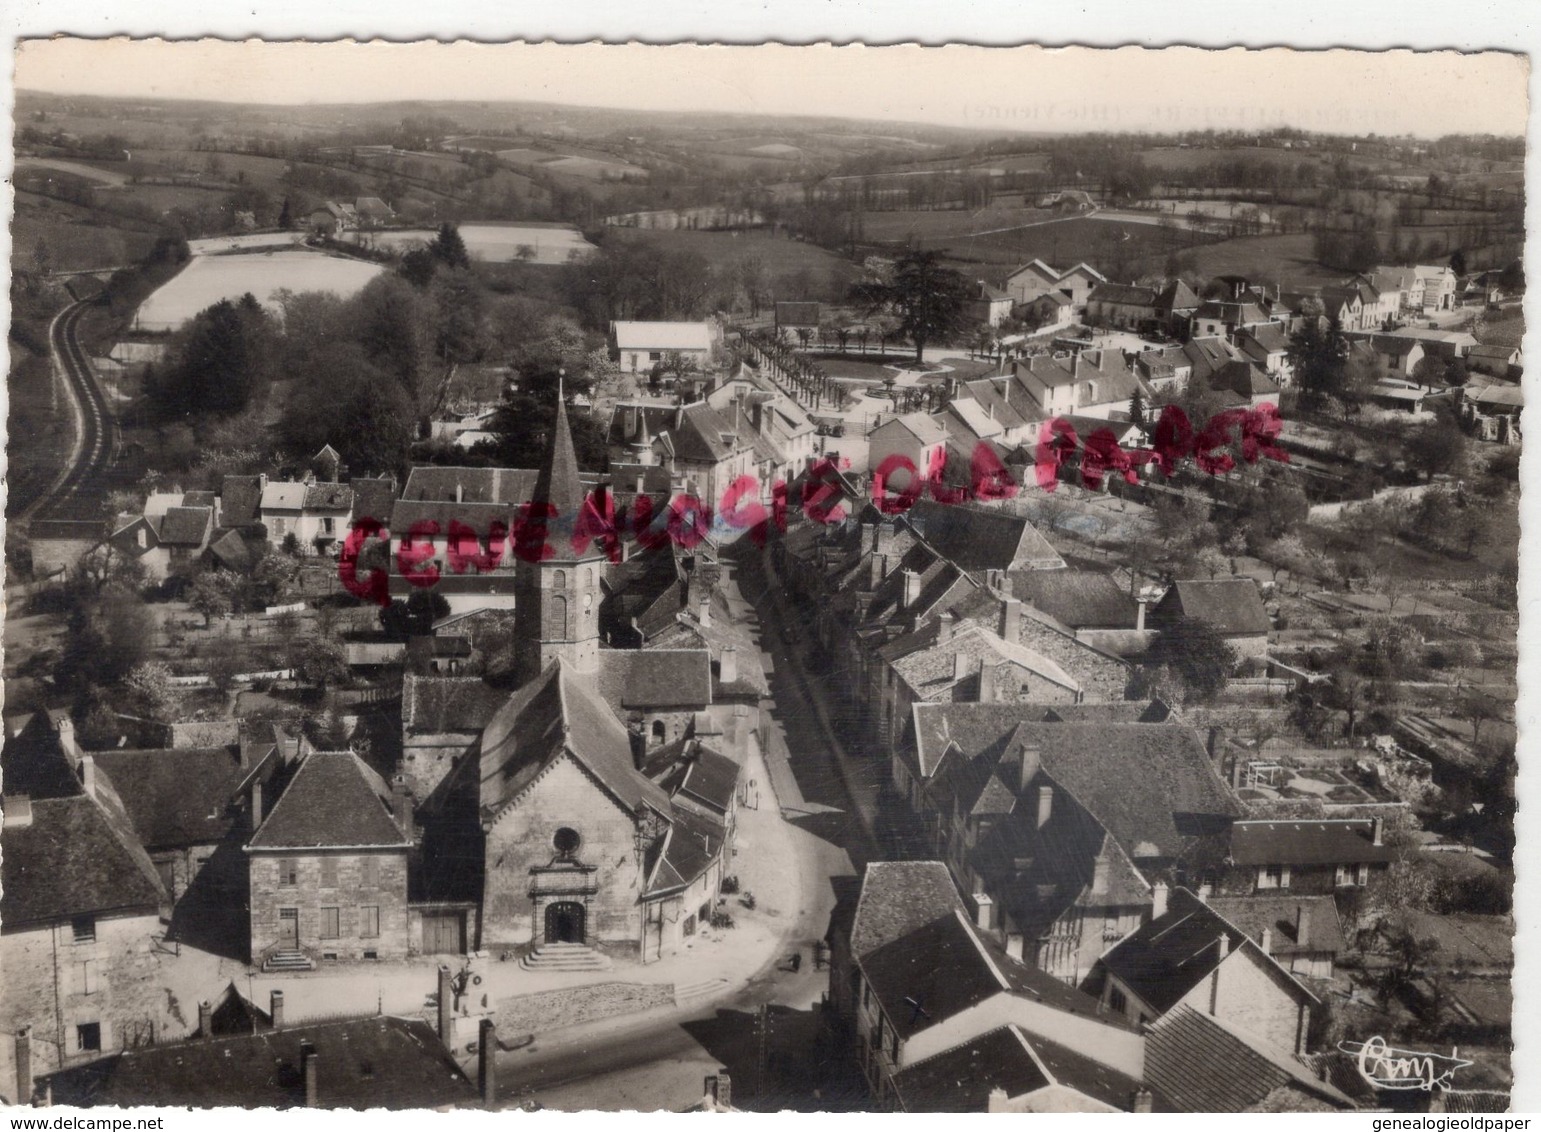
<point x="639" y="346"/>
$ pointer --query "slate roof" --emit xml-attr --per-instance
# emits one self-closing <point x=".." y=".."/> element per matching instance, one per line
<point x="558" y="484"/>
<point x="175" y="797"/>
<point x="898" y="897"/>
<point x="1234" y="606"/>
<point x="230" y="551"/>
<point x="1278" y="914"/>
<point x="942" y="968"/>
<point x="1331" y="842"/>
<point x="334" y="801"/>
<point x="976" y="539"/>
<point x="75" y="859"/>
<point x="373" y="498"/>
<point x="1176" y="296"/>
<point x="1080" y="599"/>
<point x="1269" y="338"/>
<point x="477" y="485"/>
<point x="558" y="714"/>
<point x="691" y="845"/>
<point x="239" y="497"/>
<point x="380" y="1062"/>
<point x="1496" y="396"/>
<point x="328" y="497"/>
<point x="186" y="526"/>
<point x="655" y="678"/>
<point x="1198" y="1063"/>
<point x="920" y="425"/>
<point x="927" y="663"/>
<point x="283" y="496"/>
<point x="995" y="396"/>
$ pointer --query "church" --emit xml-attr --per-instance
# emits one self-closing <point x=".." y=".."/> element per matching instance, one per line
<point x="591" y="814"/>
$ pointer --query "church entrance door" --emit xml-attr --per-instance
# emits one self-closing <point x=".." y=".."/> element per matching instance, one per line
<point x="564" y="922"/>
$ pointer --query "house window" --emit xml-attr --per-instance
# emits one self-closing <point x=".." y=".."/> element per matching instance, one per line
<point x="86" y="977"/>
<point x="88" y="1037"/>
<point x="328" y="525"/>
<point x="559" y="580"/>
<point x="1361" y="875"/>
<point x="1273" y="876"/>
<point x="328" y="872"/>
<point x="330" y="926"/>
<point x="369" y="872"/>
<point x="369" y="921"/>
<point x="288" y="872"/>
<point x="83" y="929"/>
<point x="866" y="994"/>
<point x="277" y="526"/>
<point x="690" y="925"/>
<point x="1118" y="1001"/>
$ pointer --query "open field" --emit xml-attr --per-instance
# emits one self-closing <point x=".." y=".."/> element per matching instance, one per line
<point x="207" y="279"/>
<point x="492" y="243"/>
<point x="90" y="172"/>
<point x="1063" y="242"/>
<point x="897" y="227"/>
<point x="721" y="249"/>
<point x="1269" y="259"/>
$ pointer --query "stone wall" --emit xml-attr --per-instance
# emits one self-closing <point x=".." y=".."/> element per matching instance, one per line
<point x="348" y="896"/>
<point x="1252" y="995"/>
<point x="534" y="1013"/>
<point x="1103" y="679"/>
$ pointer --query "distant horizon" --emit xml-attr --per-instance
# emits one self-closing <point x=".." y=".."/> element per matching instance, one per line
<point x="1423" y="95"/>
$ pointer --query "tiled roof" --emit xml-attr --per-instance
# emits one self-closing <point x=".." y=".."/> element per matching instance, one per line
<point x="175" y="797"/>
<point x="927" y="661"/>
<point x="1038" y="268"/>
<point x="476" y="485"/>
<point x="75" y="859"/>
<point x="328" y="497"/>
<point x="557" y="483"/>
<point x="232" y="552"/>
<point x="1169" y="956"/>
<point x="560" y="713"/>
<point x="186" y="526"/>
<point x="920" y="425"/>
<point x="1279" y="915"/>
<point x="1234" y="606"/>
<point x="433" y="704"/>
<point x="333" y="801"/>
<point x="381" y="1062"/>
<point x="239" y="497"/>
<point x="1081" y="599"/>
<point x="898" y="897"/>
<point x="690" y="847"/>
<point x="283" y="496"/>
<point x="373" y="498"/>
<point x="1335" y="842"/>
<point x="655" y="678"/>
<point x="1197" y="1063"/>
<point x="1176" y="296"/>
<point x="976" y="539"/>
<point x="1180" y="797"/>
<point x="1122" y="294"/>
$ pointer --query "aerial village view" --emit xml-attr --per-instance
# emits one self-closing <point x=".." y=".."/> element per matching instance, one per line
<point x="515" y="604"/>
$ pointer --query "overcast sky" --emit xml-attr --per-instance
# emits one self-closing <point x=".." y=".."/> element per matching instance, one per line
<point x="1029" y="88"/>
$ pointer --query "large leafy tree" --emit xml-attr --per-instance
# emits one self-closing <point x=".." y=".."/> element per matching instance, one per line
<point x="1319" y="355"/>
<point x="930" y="300"/>
<point x="1196" y="656"/>
<point x="359" y="410"/>
<point x="218" y="361"/>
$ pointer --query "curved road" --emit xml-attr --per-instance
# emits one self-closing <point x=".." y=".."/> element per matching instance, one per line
<point x="91" y="451"/>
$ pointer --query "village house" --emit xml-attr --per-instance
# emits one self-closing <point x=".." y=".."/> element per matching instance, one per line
<point x="1004" y="408"/>
<point x="333" y="218"/>
<point x="1233" y="607"/>
<point x="915" y="437"/>
<point x="1396" y="353"/>
<point x="1165" y="370"/>
<point x="639" y="346"/>
<point x="372" y="212"/>
<point x="1175" y="306"/>
<point x="1438" y="286"/>
<point x="1052" y="311"/>
<point x="1190" y="955"/>
<point x="916" y="979"/>
<point x="702" y="450"/>
<point x="1313" y="858"/>
<point x="1092" y="383"/>
<point x="1344" y="306"/>
<point x="1403" y="283"/>
<point x="1121" y="306"/>
<point x="989" y="305"/>
<point x="81" y="913"/>
<point x="1268" y="345"/>
<point x="1303" y="934"/>
<point x="172" y="534"/>
<point x="327" y="864"/>
<point x="1037" y="278"/>
<point x="1500" y="361"/>
<point x="1025" y="805"/>
<point x="785" y="436"/>
<point x="1225" y="317"/>
<point x="315" y="513"/>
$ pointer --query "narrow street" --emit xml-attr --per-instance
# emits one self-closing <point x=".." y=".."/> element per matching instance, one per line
<point x="658" y="1060"/>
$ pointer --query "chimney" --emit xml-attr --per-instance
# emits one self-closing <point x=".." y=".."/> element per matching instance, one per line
<point x="1302" y="923"/>
<point x="1028" y="768"/>
<point x="641" y="483"/>
<point x="719" y="1087"/>
<point x="1266" y="941"/>
<point x="88" y="776"/>
<point x="987" y="690"/>
<point x="486" y="1061"/>
<point x="256" y="804"/>
<point x="446" y="1006"/>
<point x="401" y="803"/>
<point x="704" y="610"/>
<point x="1010" y="629"/>
<point x="205" y="1020"/>
<point x="1224" y="944"/>
<point x="911" y="588"/>
<point x="1216" y="734"/>
<point x="1144" y="1101"/>
<point x="1158" y="900"/>
<point x="308" y="1069"/>
<point x="18" y="811"/>
<point x="460" y="492"/>
<point x="727" y="665"/>
<point x="984" y="911"/>
<point x="1139" y="614"/>
<point x="962" y="665"/>
<point x="997" y="1101"/>
<point x="1100" y="875"/>
<point x="276" y="1009"/>
<point x="1203" y="893"/>
<point x="1377" y="830"/>
<point x="945" y="627"/>
<point x="1045" y="803"/>
<point x="24" y="1065"/>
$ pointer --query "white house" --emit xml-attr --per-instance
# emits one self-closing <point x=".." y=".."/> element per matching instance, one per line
<point x="639" y="346"/>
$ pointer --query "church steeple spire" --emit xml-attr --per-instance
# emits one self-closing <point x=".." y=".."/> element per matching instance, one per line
<point x="558" y="482"/>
